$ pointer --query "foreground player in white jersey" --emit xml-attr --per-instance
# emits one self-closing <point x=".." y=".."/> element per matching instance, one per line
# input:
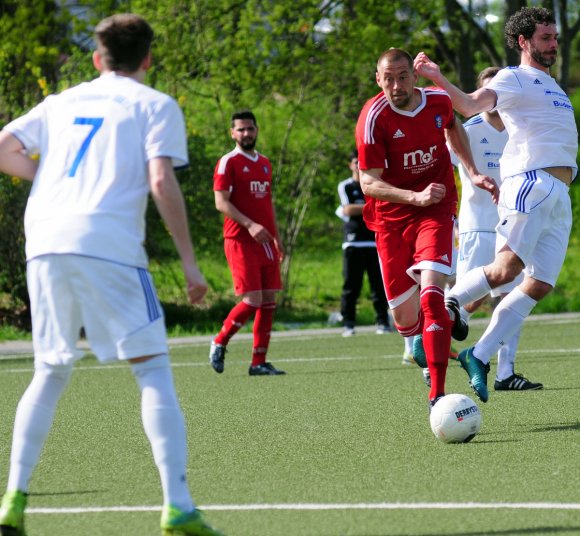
<point x="478" y="218"/>
<point x="103" y="146"/>
<point x="537" y="167"/>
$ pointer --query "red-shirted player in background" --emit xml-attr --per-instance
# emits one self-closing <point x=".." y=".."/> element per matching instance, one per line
<point x="243" y="194"/>
<point x="406" y="174"/>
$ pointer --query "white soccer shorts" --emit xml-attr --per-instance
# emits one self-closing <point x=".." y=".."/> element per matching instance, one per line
<point x="116" y="305"/>
<point x="535" y="222"/>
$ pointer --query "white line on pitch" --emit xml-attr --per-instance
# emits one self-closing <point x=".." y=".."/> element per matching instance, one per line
<point x="122" y="366"/>
<point x="319" y="506"/>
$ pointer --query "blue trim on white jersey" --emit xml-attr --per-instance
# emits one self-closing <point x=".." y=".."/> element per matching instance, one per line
<point x="475" y="120"/>
<point x="515" y="69"/>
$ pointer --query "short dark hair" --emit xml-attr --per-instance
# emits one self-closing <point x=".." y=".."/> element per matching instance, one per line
<point x="488" y="72"/>
<point x="353" y="154"/>
<point x="523" y="22"/>
<point x="244" y="114"/>
<point x="123" y="41"/>
<point x="396" y="54"/>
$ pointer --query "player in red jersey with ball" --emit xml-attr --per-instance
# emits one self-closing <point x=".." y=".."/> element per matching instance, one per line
<point x="243" y="194"/>
<point x="407" y="177"/>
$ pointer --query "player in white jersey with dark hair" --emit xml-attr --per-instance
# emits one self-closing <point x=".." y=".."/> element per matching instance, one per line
<point x="537" y="167"/>
<point x="104" y="146"/>
<point x="478" y="218"/>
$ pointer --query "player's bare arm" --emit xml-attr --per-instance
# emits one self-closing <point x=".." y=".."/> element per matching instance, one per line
<point x="459" y="142"/>
<point x="373" y="186"/>
<point x="257" y="231"/>
<point x="13" y="160"/>
<point x="168" y="198"/>
<point x="467" y="104"/>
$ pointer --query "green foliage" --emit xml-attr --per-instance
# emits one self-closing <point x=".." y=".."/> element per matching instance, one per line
<point x="29" y="66"/>
<point x="13" y="291"/>
<point x="305" y="67"/>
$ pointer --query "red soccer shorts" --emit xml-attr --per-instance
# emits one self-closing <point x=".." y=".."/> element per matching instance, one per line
<point x="253" y="266"/>
<point x="424" y="244"/>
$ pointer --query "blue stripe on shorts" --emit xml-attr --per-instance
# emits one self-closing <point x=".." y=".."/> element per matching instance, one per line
<point x="150" y="298"/>
<point x="525" y="190"/>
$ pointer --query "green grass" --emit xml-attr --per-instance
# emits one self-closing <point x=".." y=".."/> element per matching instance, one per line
<point x="312" y="294"/>
<point x="347" y="425"/>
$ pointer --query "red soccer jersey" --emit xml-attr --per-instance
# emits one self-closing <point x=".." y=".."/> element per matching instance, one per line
<point x="249" y="179"/>
<point x="411" y="148"/>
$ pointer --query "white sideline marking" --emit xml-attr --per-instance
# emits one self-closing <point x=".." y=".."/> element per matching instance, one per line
<point x="319" y="506"/>
<point x="123" y="366"/>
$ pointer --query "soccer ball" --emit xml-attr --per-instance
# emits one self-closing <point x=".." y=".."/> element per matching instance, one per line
<point x="455" y="419"/>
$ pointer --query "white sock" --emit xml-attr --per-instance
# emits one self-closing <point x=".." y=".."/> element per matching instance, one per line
<point x="506" y="357"/>
<point x="33" y="421"/>
<point x="408" y="345"/>
<point x="464" y="315"/>
<point x="471" y="287"/>
<point x="506" y="320"/>
<point x="165" y="428"/>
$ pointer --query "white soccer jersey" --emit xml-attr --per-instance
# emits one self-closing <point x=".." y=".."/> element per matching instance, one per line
<point x="539" y="118"/>
<point x="90" y="193"/>
<point x="477" y="211"/>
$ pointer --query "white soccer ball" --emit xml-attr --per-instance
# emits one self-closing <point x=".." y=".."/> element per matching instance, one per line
<point x="455" y="419"/>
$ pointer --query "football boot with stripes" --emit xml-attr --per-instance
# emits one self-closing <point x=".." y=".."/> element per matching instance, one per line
<point x="516" y="382"/>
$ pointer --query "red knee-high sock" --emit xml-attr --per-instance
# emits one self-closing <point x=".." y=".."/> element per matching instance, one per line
<point x="415" y="329"/>
<point x="262" y="329"/>
<point x="238" y="316"/>
<point x="436" y="337"/>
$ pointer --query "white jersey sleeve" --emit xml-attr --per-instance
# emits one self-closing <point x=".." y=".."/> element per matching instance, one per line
<point x="166" y="134"/>
<point x="90" y="193"/>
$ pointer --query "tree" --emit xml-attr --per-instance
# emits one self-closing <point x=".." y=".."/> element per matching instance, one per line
<point x="28" y="71"/>
<point x="304" y="66"/>
<point x="569" y="28"/>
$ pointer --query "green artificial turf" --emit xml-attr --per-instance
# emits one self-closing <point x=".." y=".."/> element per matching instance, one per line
<point x="341" y="445"/>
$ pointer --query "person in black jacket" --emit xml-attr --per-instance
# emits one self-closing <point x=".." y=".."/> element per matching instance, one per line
<point x="359" y="256"/>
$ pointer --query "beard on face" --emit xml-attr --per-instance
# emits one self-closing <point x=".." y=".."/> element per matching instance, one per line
<point x="248" y="144"/>
<point x="544" y="61"/>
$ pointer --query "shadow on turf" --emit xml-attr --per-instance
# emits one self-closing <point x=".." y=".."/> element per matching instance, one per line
<point x="562" y="427"/>
<point x="56" y="493"/>
<point x="507" y="532"/>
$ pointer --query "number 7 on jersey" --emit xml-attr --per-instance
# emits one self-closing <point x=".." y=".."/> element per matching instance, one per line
<point x="95" y="123"/>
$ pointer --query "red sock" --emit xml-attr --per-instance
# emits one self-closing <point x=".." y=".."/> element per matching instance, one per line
<point x="436" y="337"/>
<point x="238" y="316"/>
<point x="262" y="329"/>
<point x="415" y="329"/>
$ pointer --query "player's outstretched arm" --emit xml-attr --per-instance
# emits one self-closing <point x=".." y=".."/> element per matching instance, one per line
<point x="467" y="104"/>
<point x="168" y="198"/>
<point x="13" y="160"/>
